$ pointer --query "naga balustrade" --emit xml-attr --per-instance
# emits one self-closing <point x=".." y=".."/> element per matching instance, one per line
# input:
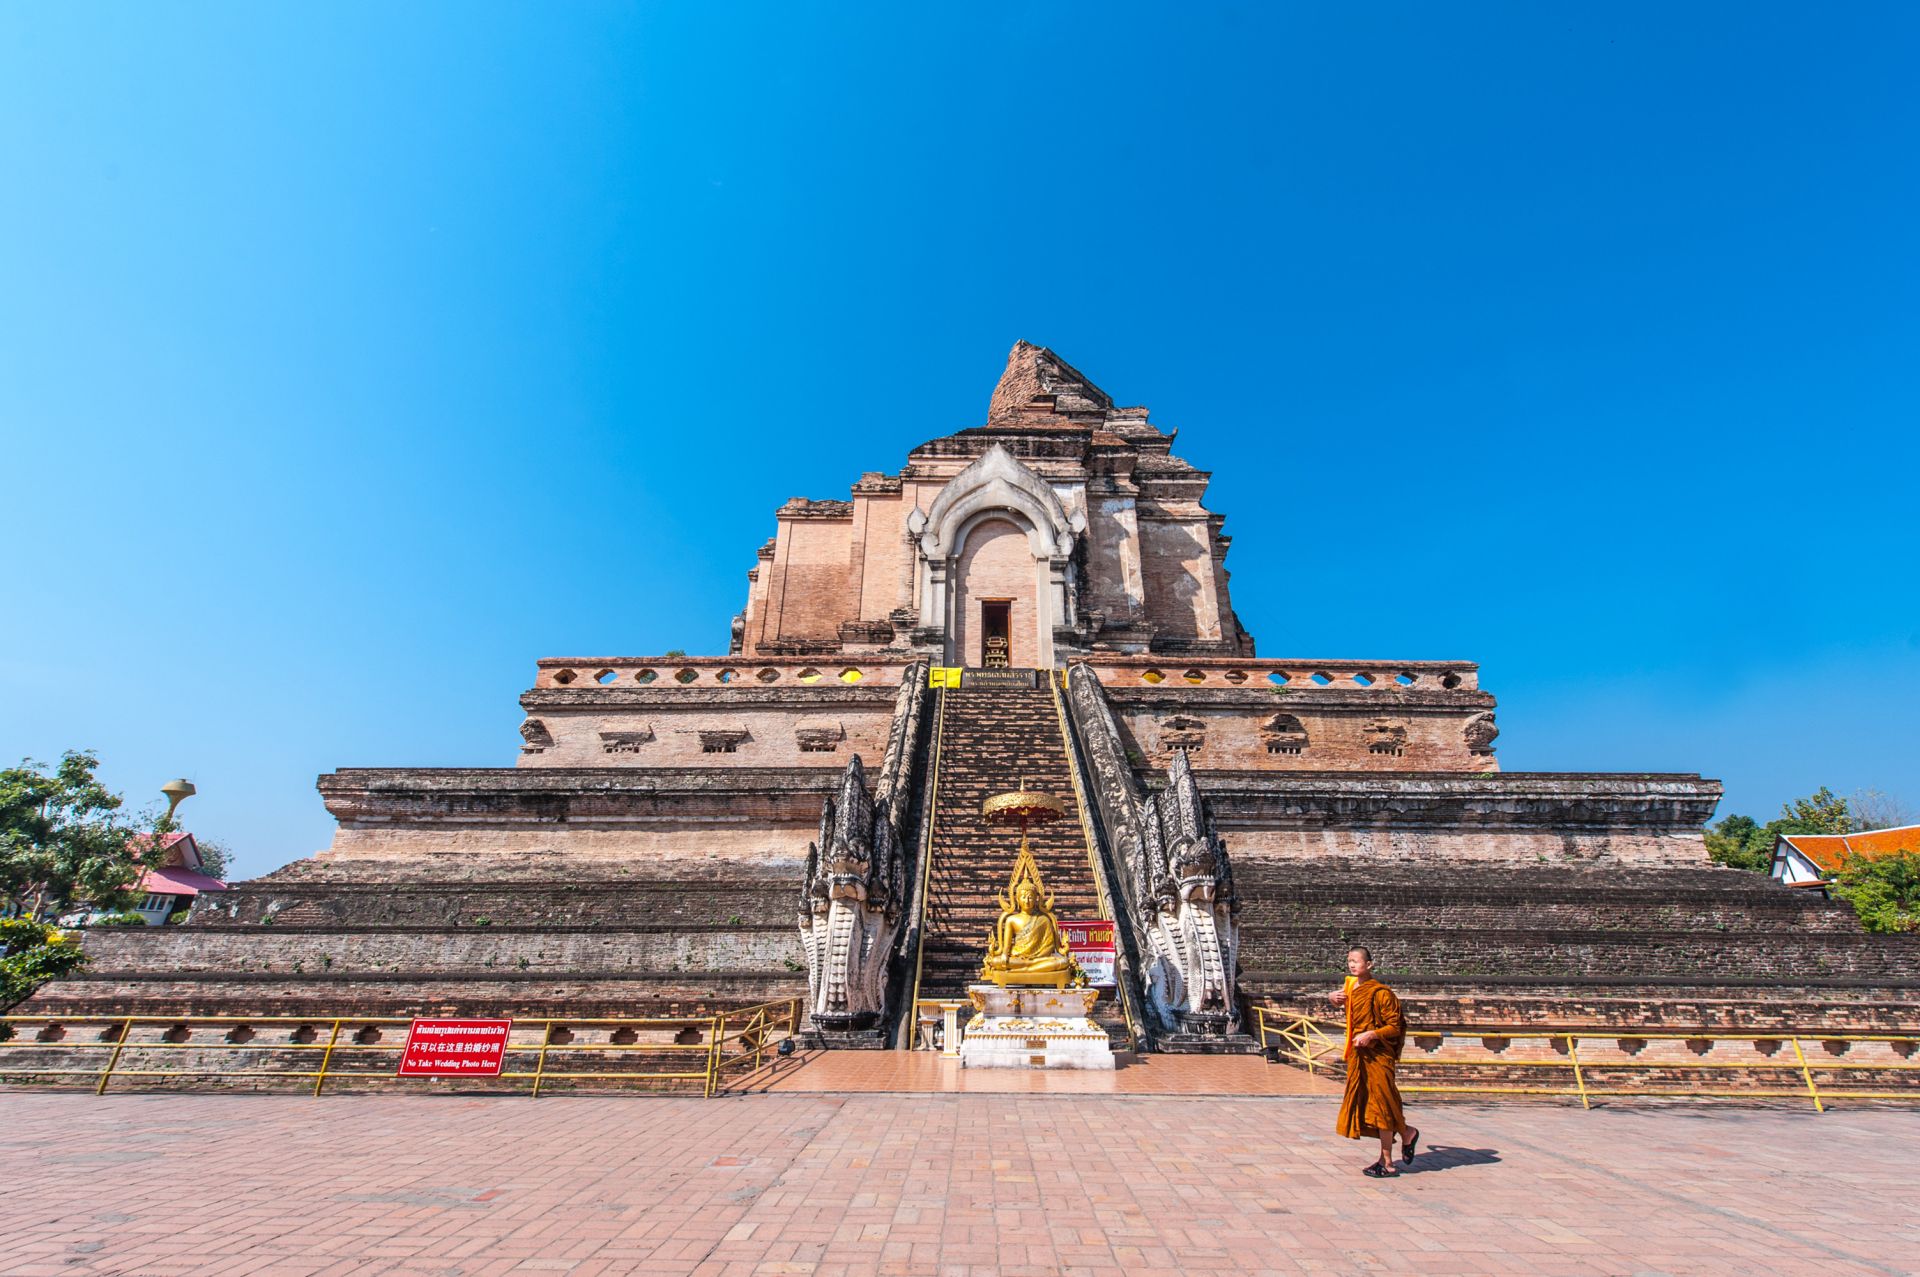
<point x="1305" y="1042"/>
<point x="717" y="1048"/>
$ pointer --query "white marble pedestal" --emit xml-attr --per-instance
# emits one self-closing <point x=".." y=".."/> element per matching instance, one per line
<point x="1022" y="1027"/>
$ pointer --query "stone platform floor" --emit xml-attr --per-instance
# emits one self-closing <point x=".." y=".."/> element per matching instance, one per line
<point x="839" y="1072"/>
<point x="967" y="1185"/>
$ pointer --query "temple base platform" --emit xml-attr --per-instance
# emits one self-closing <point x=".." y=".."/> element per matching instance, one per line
<point x="1034" y="1028"/>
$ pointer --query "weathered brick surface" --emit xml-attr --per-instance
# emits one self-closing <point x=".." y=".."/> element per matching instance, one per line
<point x="997" y="564"/>
<point x="471" y="932"/>
<point x="1552" y="946"/>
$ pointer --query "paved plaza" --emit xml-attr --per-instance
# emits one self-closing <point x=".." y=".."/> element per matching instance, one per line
<point x="966" y="1184"/>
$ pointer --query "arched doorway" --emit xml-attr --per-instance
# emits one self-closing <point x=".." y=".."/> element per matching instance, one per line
<point x="995" y="617"/>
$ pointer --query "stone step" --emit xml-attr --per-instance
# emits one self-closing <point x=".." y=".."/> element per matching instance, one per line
<point x="992" y="743"/>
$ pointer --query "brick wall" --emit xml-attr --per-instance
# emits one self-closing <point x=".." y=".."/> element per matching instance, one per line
<point x="997" y="563"/>
<point x="1177" y="561"/>
<point x="1647" y="940"/>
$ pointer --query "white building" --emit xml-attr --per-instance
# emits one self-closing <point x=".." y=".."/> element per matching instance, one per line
<point x="1802" y="860"/>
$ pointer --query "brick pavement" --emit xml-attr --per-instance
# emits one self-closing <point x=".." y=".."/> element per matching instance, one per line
<point x="966" y="1185"/>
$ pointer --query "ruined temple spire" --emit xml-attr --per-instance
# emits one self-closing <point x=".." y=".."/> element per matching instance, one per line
<point x="1038" y="385"/>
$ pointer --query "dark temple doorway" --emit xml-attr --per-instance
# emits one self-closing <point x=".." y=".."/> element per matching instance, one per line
<point x="994" y="624"/>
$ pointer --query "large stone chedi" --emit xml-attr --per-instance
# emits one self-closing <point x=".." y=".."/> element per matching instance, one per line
<point x="1239" y="818"/>
<point x="1070" y="517"/>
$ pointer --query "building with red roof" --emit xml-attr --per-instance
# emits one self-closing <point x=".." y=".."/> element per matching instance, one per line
<point x="1809" y="859"/>
<point x="172" y="884"/>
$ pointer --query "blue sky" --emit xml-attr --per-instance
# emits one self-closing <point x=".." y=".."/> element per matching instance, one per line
<point x="354" y="356"/>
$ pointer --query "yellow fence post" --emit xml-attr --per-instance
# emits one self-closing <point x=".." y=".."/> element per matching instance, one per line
<point x="327" y="1058"/>
<point x="1573" y="1053"/>
<point x="716" y="1035"/>
<point x="126" y="1031"/>
<point x="1807" y="1073"/>
<point x="540" y="1064"/>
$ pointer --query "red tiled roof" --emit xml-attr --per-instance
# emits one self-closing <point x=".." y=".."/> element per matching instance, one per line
<point x="178" y="882"/>
<point x="1829" y="851"/>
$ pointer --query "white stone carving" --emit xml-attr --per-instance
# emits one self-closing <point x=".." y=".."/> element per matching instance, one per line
<point x="1183" y="890"/>
<point x="997" y="481"/>
<point x="1176" y="876"/>
<point x="850" y="906"/>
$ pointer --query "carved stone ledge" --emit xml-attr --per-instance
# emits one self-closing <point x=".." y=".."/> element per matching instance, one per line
<point x="627" y="742"/>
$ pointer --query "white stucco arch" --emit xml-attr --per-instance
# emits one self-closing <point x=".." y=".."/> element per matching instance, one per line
<point x="998" y="481"/>
<point x="996" y="487"/>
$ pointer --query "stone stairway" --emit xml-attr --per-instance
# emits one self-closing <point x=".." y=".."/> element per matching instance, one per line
<point x="992" y="741"/>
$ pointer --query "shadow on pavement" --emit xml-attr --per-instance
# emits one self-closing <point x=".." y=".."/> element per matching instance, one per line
<point x="1445" y="1157"/>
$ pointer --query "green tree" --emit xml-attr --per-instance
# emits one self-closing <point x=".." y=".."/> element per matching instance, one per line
<point x="1743" y="843"/>
<point x="31" y="953"/>
<point x="63" y="840"/>
<point x="1885" y="891"/>
<point x="1821" y="812"/>
<point x="215" y="857"/>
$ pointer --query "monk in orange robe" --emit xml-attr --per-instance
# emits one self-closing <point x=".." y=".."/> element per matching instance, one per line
<point x="1376" y="1029"/>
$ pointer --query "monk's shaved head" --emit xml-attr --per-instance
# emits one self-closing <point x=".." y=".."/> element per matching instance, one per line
<point x="1363" y="951"/>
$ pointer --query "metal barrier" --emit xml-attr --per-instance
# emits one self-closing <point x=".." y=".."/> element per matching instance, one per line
<point x="715" y="1047"/>
<point x="1303" y="1041"/>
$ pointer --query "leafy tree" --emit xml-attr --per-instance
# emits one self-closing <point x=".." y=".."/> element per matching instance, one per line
<point x="1743" y="843"/>
<point x="31" y="953"/>
<point x="1874" y="809"/>
<point x="215" y="857"/>
<point x="1738" y="842"/>
<point x="1821" y="812"/>
<point x="63" y="841"/>
<point x="1885" y="891"/>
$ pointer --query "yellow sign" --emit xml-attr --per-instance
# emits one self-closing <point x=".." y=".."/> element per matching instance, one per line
<point x="943" y="676"/>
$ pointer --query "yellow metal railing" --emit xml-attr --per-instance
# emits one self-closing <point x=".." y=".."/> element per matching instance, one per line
<point x="1299" y="1040"/>
<point x="926" y="851"/>
<point x="716" y="1047"/>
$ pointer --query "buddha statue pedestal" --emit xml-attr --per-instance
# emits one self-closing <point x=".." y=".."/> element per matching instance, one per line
<point x="1028" y="1027"/>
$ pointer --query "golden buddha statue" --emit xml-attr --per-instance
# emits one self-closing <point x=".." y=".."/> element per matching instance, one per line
<point x="1027" y="946"/>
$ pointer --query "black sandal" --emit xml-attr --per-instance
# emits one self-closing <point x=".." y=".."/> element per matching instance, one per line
<point x="1408" y="1145"/>
<point x="1375" y="1170"/>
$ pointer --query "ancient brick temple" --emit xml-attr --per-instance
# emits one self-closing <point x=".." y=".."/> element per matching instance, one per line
<point x="801" y="816"/>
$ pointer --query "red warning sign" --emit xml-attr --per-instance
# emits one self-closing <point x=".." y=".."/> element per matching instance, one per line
<point x="1091" y="944"/>
<point x="455" y="1048"/>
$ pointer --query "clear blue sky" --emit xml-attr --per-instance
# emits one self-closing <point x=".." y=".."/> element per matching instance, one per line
<point x="354" y="356"/>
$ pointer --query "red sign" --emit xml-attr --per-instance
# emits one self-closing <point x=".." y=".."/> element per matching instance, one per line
<point x="1091" y="944"/>
<point x="455" y="1048"/>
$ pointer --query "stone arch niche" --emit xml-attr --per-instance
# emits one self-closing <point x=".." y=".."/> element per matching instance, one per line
<point x="995" y="533"/>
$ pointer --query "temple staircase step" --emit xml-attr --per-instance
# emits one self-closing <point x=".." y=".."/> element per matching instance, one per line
<point x="993" y="741"/>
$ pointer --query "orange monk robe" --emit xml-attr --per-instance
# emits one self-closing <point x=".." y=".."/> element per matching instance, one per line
<point x="1372" y="1102"/>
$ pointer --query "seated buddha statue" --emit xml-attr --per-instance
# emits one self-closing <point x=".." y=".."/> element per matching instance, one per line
<point x="1027" y="945"/>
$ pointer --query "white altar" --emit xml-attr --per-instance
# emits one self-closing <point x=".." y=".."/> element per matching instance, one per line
<point x="1033" y="1027"/>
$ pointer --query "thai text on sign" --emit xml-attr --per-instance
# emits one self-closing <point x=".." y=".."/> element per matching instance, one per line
<point x="455" y="1048"/>
<point x="1091" y="944"/>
